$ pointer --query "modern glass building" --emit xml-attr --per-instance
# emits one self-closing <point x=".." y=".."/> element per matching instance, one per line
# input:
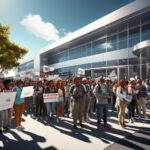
<point x="118" y="42"/>
<point x="26" y="69"/>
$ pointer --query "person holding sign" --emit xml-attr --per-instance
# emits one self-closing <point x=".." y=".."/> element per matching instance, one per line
<point x="50" y="106"/>
<point x="18" y="106"/>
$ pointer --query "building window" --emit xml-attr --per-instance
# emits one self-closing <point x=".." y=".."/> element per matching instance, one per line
<point x="77" y="52"/>
<point x="123" y="40"/>
<point x="63" y="56"/>
<point x="123" y="62"/>
<point x="99" y="46"/>
<point x="88" y="49"/>
<point x="112" y="63"/>
<point x="134" y="36"/>
<point x="146" y="32"/>
<point x="99" y="64"/>
<point x="112" y="43"/>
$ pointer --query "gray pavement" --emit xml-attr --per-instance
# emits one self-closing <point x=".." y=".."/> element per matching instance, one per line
<point x="62" y="136"/>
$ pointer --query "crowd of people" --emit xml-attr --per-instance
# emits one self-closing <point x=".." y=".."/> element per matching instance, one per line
<point x="81" y="98"/>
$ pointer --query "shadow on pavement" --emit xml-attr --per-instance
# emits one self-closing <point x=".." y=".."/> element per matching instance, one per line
<point x="10" y="144"/>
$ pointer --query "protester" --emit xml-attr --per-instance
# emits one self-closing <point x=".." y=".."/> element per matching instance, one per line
<point x="1" y="112"/>
<point x="50" y="106"/>
<point x="101" y="93"/>
<point x="142" y="97"/>
<point x="121" y="103"/>
<point x="86" y="98"/>
<point x="18" y="105"/>
<point x="132" y="105"/>
<point x="77" y="92"/>
<point x="60" y="105"/>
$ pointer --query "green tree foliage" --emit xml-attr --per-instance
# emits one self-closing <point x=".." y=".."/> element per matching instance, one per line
<point x="10" y="52"/>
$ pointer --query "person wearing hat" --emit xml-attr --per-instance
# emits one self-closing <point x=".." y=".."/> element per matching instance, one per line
<point x="77" y="92"/>
<point x="101" y="93"/>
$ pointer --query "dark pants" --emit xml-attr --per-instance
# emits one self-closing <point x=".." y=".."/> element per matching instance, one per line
<point x="131" y="108"/>
<point x="102" y="110"/>
<point x="113" y="102"/>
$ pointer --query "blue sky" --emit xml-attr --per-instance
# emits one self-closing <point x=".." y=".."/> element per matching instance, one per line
<point x="37" y="23"/>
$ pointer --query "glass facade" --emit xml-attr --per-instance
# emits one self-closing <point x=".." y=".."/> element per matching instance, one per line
<point x="122" y="36"/>
<point x="26" y="66"/>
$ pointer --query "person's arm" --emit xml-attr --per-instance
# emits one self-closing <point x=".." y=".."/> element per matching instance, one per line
<point x="96" y="91"/>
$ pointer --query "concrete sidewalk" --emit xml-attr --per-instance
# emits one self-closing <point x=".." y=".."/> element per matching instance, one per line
<point x="63" y="137"/>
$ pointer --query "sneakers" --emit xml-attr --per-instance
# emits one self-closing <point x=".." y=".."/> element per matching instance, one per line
<point x="6" y="128"/>
<point x="107" y="126"/>
<point x="75" y="127"/>
<point x="131" y="120"/>
<point x="100" y="127"/>
<point x="1" y="131"/>
<point x="82" y="125"/>
<point x="20" y="128"/>
<point x="57" y="120"/>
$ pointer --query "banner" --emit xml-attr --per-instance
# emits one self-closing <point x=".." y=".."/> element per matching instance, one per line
<point x="7" y="100"/>
<point x="46" y="68"/>
<point x="52" y="97"/>
<point x="128" y="98"/>
<point x="81" y="71"/>
<point x="27" y="91"/>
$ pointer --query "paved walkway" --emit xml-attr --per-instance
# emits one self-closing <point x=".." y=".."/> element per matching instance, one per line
<point x="64" y="137"/>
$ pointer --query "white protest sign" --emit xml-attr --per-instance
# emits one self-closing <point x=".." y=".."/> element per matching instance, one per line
<point x="46" y="68"/>
<point x="52" y="77"/>
<point x="113" y="75"/>
<point x="51" y="97"/>
<point x="7" y="100"/>
<point x="128" y="98"/>
<point x="27" y="91"/>
<point x="81" y="71"/>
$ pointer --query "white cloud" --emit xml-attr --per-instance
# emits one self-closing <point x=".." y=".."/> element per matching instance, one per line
<point x="36" y="26"/>
<point x="67" y="33"/>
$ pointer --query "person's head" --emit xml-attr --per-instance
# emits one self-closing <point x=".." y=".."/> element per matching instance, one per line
<point x="147" y="81"/>
<point x="121" y="83"/>
<point x="51" y="83"/>
<point x="59" y="84"/>
<point x="100" y="80"/>
<point x="139" y="81"/>
<point x="77" y="80"/>
<point x="18" y="83"/>
<point x="7" y="84"/>
<point x="1" y="85"/>
<point x="84" y="81"/>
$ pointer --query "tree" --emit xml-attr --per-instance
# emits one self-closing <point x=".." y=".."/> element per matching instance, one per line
<point x="10" y="52"/>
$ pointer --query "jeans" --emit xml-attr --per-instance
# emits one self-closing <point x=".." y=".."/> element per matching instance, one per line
<point x="50" y="107"/>
<point x="1" y="124"/>
<point x="102" y="110"/>
<point x="131" y="108"/>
